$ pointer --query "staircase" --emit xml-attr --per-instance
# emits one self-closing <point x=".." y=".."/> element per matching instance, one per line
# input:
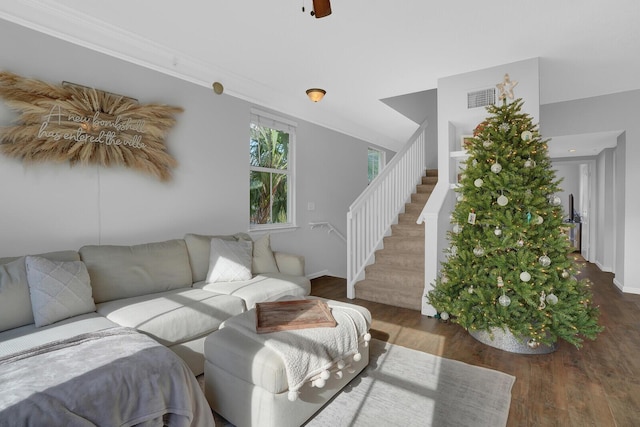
<point x="397" y="276"/>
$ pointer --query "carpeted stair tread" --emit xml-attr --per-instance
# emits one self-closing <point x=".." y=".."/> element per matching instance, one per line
<point x="404" y="243"/>
<point x="403" y="260"/>
<point x="407" y="230"/>
<point x="425" y="188"/>
<point x="396" y="276"/>
<point x="380" y="291"/>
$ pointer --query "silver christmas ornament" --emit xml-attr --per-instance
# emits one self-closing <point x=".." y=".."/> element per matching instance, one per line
<point x="502" y="200"/>
<point x="478" y="251"/>
<point x="529" y="163"/>
<point x="552" y="299"/>
<point x="497" y="231"/>
<point x="565" y="274"/>
<point x="525" y="276"/>
<point x="496" y="167"/>
<point x="504" y="300"/>
<point x="526" y="135"/>
<point x="478" y="182"/>
<point x="545" y="261"/>
<point x="487" y="144"/>
<point x="454" y="250"/>
<point x="444" y="315"/>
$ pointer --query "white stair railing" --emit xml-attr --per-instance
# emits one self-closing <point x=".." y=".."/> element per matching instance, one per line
<point x="371" y="215"/>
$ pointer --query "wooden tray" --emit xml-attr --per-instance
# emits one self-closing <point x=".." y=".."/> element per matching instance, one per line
<point x="288" y="315"/>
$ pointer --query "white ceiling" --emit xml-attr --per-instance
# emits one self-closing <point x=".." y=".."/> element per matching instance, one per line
<point x="269" y="52"/>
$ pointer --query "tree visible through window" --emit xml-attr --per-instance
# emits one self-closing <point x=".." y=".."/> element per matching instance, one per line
<point x="376" y="162"/>
<point x="270" y="148"/>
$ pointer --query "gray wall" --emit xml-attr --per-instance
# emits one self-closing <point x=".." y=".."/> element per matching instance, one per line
<point x="50" y="207"/>
<point x="616" y="112"/>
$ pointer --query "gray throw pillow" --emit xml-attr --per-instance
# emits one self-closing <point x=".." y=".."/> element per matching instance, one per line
<point x="58" y="289"/>
<point x="263" y="259"/>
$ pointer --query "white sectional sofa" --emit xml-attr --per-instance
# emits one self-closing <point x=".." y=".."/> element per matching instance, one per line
<point x="160" y="289"/>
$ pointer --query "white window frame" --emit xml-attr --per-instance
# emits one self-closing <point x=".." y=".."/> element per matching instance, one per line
<point x="273" y="121"/>
<point x="382" y="160"/>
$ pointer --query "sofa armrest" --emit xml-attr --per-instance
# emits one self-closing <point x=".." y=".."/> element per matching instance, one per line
<point x="290" y="263"/>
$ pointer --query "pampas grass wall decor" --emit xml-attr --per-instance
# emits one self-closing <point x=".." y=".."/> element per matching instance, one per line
<point x="83" y="125"/>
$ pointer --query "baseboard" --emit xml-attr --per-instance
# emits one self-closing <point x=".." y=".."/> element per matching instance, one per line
<point x="318" y="274"/>
<point x="603" y="268"/>
<point x="626" y="290"/>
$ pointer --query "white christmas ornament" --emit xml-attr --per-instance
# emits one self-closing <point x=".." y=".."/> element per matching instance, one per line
<point x="552" y="299"/>
<point x="525" y="276"/>
<point x="454" y="250"/>
<point x="526" y="135"/>
<point x="533" y="343"/>
<point x="478" y="182"/>
<point x="478" y="251"/>
<point x="497" y="231"/>
<point x="460" y="197"/>
<point x="470" y="290"/>
<point x="545" y="261"/>
<point x="457" y="229"/>
<point x="520" y="242"/>
<point x="444" y="315"/>
<point x="565" y="274"/>
<point x="496" y="168"/>
<point x="539" y="220"/>
<point x="504" y="300"/>
<point x="529" y="163"/>
<point x="488" y="143"/>
<point x="502" y="200"/>
<point x="556" y="201"/>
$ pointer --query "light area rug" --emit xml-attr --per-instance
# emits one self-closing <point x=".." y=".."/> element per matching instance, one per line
<point x="404" y="387"/>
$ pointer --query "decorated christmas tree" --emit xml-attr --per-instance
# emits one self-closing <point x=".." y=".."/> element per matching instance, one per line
<point x="509" y="264"/>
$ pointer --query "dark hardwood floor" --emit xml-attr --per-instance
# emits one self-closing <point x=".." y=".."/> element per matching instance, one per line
<point x="597" y="385"/>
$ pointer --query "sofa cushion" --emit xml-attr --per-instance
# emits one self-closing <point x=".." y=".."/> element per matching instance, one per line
<point x="127" y="271"/>
<point x="229" y="261"/>
<point x="15" y="302"/>
<point x="29" y="336"/>
<point x="174" y="316"/>
<point x="261" y="288"/>
<point x="58" y="289"/>
<point x="263" y="258"/>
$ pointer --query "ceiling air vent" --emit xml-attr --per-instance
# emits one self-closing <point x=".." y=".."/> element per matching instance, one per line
<point x="481" y="98"/>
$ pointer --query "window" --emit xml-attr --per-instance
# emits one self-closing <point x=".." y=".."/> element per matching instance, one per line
<point x="271" y="145"/>
<point x="376" y="162"/>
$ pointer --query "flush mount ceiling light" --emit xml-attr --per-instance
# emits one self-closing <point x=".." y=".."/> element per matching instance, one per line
<point x="315" y="94"/>
<point x="218" y="88"/>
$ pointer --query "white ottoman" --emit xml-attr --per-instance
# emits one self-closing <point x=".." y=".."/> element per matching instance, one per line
<point x="246" y="381"/>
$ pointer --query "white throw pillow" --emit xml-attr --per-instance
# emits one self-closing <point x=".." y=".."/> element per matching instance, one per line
<point x="263" y="259"/>
<point x="58" y="289"/>
<point x="229" y="261"/>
